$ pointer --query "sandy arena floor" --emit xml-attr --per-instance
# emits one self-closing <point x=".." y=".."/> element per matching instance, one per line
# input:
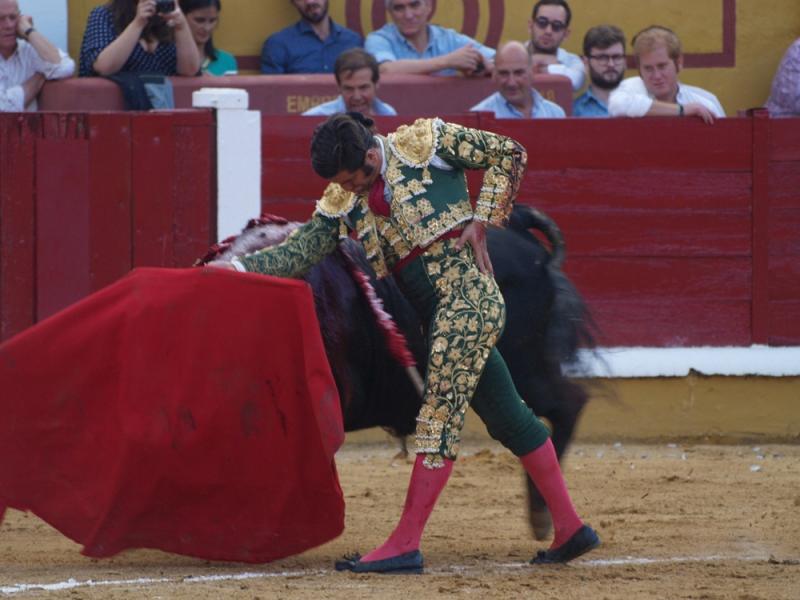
<point x="699" y="522"/>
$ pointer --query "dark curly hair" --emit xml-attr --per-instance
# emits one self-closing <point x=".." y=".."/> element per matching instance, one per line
<point x="562" y="3"/>
<point x="341" y="144"/>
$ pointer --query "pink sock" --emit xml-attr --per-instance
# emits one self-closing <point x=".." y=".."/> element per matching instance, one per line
<point x="543" y="468"/>
<point x="423" y="491"/>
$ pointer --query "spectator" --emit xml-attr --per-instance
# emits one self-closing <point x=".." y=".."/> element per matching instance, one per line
<point x="658" y="93"/>
<point x="357" y="76"/>
<point x="604" y="58"/>
<point x="203" y="18"/>
<point x="412" y="45"/>
<point x="311" y="45"/>
<point x="516" y="98"/>
<point x="784" y="100"/>
<point x="138" y="36"/>
<point x="549" y="27"/>
<point x="27" y="60"/>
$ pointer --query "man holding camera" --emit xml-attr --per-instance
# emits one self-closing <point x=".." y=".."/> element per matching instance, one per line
<point x="27" y="60"/>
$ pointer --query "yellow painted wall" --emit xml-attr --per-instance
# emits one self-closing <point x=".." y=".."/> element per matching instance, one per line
<point x="694" y="408"/>
<point x="764" y="31"/>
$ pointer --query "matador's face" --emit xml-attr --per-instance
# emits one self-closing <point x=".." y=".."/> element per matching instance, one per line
<point x="360" y="181"/>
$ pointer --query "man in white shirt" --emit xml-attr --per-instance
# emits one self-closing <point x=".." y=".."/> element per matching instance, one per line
<point x="657" y="92"/>
<point x="549" y="27"/>
<point x="516" y="97"/>
<point x="27" y="60"/>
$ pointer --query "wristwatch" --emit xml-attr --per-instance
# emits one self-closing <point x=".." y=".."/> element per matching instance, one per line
<point x="28" y="32"/>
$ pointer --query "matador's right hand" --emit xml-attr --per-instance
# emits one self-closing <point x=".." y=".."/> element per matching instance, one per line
<point x="221" y="264"/>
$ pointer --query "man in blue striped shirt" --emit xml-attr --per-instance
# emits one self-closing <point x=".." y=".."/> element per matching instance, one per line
<point x="516" y="98"/>
<point x="412" y="45"/>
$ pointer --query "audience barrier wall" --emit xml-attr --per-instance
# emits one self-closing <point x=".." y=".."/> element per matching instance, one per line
<point x="678" y="233"/>
<point x="293" y="94"/>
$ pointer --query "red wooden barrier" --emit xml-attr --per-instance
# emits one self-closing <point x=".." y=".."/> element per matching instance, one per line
<point x="679" y="234"/>
<point x="783" y="239"/>
<point x="86" y="197"/>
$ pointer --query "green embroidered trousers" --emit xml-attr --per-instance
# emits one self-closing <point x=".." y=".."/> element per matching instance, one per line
<point x="464" y="313"/>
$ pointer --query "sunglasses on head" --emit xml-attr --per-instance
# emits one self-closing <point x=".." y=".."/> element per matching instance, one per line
<point x="544" y="22"/>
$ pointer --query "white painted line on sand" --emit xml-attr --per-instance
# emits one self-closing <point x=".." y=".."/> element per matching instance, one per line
<point x="631" y="560"/>
<point x="73" y="583"/>
<point x="609" y="562"/>
<point x="17" y="588"/>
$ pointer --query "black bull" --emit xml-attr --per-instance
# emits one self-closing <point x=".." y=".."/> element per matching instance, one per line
<point x="546" y="320"/>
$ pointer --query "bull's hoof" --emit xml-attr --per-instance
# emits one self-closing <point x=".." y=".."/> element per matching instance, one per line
<point x="580" y="543"/>
<point x="542" y="523"/>
<point x="410" y="563"/>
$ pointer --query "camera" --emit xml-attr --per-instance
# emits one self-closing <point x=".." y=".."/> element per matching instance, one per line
<point x="165" y="6"/>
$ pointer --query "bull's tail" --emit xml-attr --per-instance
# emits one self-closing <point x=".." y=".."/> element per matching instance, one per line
<point x="570" y="325"/>
<point x="524" y="218"/>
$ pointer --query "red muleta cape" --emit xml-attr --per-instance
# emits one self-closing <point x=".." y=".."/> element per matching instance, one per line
<point x="192" y="411"/>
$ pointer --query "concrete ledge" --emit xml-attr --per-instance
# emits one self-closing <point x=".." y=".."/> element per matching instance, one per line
<point x="771" y="361"/>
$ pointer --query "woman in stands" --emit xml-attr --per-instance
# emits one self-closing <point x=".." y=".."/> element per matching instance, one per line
<point x="138" y="36"/>
<point x="784" y="100"/>
<point x="203" y="18"/>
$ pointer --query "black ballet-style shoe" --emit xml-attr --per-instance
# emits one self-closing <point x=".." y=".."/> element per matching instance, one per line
<point x="409" y="563"/>
<point x="580" y="543"/>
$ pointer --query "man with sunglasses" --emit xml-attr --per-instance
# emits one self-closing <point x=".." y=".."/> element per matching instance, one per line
<point x="604" y="57"/>
<point x="549" y="27"/>
<point x="658" y="92"/>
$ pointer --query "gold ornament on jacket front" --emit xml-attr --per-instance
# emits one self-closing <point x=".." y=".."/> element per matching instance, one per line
<point x="415" y="144"/>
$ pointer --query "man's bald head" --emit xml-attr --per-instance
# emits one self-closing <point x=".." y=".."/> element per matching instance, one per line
<point x="512" y="52"/>
<point x="513" y="74"/>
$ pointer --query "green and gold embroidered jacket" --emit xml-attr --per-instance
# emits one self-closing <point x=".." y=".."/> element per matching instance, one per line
<point x="426" y="201"/>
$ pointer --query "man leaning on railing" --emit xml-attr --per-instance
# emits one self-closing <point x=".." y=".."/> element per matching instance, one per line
<point x="27" y="60"/>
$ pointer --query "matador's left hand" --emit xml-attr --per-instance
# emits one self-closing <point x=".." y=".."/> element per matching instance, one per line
<point x="475" y="235"/>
